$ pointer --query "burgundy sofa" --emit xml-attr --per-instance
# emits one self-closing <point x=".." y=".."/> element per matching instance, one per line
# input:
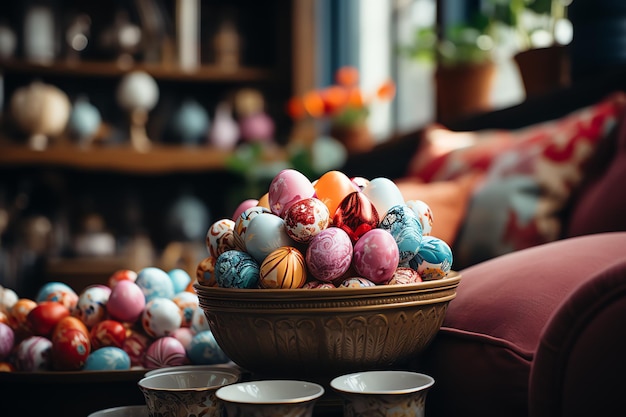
<point x="537" y="331"/>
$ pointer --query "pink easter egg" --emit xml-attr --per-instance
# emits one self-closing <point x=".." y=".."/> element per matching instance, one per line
<point x="246" y="204"/>
<point x="329" y="254"/>
<point x="165" y="352"/>
<point x="376" y="256"/>
<point x="7" y="337"/>
<point x="288" y="187"/>
<point x="126" y="302"/>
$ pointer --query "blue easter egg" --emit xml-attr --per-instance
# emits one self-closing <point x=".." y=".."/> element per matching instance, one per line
<point x="204" y="350"/>
<point x="190" y="123"/>
<point x="85" y="119"/>
<point x="236" y="269"/>
<point x="188" y="218"/>
<point x="108" y="358"/>
<point x="433" y="260"/>
<point x="180" y="279"/>
<point x="405" y="227"/>
<point x="154" y="282"/>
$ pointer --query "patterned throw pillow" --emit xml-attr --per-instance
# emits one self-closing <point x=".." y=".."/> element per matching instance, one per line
<point x="529" y="176"/>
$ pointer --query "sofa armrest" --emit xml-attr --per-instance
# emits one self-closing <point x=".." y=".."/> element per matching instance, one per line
<point x="579" y="365"/>
<point x="507" y="312"/>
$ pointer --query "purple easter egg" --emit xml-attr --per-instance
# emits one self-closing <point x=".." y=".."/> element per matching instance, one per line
<point x="7" y="337"/>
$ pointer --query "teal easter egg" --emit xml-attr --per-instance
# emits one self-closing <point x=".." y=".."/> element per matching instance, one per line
<point x="108" y="358"/>
<point x="405" y="227"/>
<point x="85" y="119"/>
<point x="433" y="260"/>
<point x="236" y="269"/>
<point x="204" y="350"/>
<point x="180" y="279"/>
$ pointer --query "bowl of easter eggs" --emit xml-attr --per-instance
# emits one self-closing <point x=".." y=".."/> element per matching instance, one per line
<point x="325" y="277"/>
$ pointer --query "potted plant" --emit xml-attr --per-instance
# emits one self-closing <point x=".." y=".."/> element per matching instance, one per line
<point x="542" y="56"/>
<point x="465" y="69"/>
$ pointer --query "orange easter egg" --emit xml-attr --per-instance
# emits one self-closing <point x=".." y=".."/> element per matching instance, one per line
<point x="332" y="188"/>
<point x="283" y="268"/>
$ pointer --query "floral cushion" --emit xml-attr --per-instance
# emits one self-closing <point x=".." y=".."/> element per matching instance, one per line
<point x="529" y="175"/>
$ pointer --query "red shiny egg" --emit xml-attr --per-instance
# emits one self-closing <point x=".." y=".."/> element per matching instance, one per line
<point x="44" y="317"/>
<point x="356" y="215"/>
<point x="122" y="275"/>
<point x="108" y="333"/>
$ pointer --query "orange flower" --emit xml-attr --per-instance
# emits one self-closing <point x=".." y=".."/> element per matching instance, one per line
<point x="335" y="98"/>
<point x="295" y="108"/>
<point x="355" y="99"/>
<point x="386" y="91"/>
<point x="314" y="103"/>
<point x="347" y="76"/>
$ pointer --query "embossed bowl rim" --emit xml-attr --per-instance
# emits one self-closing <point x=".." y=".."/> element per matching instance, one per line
<point x="300" y="295"/>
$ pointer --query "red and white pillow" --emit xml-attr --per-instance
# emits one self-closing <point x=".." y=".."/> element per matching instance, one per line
<point x="529" y="175"/>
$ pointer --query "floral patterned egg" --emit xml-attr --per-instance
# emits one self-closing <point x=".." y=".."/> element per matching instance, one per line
<point x="108" y="358"/>
<point x="91" y="305"/>
<point x="220" y="237"/>
<point x="356" y="215"/>
<point x="402" y="223"/>
<point x="70" y="350"/>
<point x="58" y="291"/>
<point x="67" y="323"/>
<point x="107" y="333"/>
<point x="204" y="350"/>
<point x="306" y="218"/>
<point x="356" y="282"/>
<point x="329" y="254"/>
<point x="164" y="352"/>
<point x="19" y="313"/>
<point x="283" y="268"/>
<point x="376" y="256"/>
<point x="33" y="354"/>
<point x="187" y="303"/>
<point x="135" y="345"/>
<point x="433" y="260"/>
<point x="242" y="223"/>
<point x="121" y="275"/>
<point x="286" y="188"/>
<point x="161" y="317"/>
<point x="266" y="232"/>
<point x="154" y="282"/>
<point x="424" y="214"/>
<point x="405" y="275"/>
<point x="205" y="271"/>
<point x="315" y="284"/>
<point x="236" y="269"/>
<point x="7" y="337"/>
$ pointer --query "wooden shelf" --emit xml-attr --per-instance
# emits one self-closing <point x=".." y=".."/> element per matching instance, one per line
<point x="158" y="71"/>
<point x="160" y="159"/>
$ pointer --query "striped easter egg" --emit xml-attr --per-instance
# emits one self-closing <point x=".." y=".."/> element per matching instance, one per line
<point x="284" y="267"/>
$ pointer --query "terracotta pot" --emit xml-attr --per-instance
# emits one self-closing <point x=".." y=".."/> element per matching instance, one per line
<point x="463" y="90"/>
<point x="544" y="69"/>
<point x="356" y="138"/>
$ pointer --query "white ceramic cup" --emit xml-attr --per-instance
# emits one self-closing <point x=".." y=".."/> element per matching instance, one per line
<point x="123" y="411"/>
<point x="270" y="398"/>
<point x="383" y="393"/>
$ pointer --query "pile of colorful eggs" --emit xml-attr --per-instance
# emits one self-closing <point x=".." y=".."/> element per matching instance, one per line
<point x="333" y="232"/>
<point x="146" y="319"/>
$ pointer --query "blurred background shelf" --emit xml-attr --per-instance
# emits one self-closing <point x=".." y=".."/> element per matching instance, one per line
<point x="161" y="159"/>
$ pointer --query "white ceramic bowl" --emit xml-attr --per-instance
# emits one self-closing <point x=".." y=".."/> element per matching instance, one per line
<point x="185" y="392"/>
<point x="383" y="393"/>
<point x="270" y="398"/>
<point x="123" y="411"/>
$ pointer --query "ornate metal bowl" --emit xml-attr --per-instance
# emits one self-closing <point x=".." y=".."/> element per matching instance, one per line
<point x="325" y="332"/>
